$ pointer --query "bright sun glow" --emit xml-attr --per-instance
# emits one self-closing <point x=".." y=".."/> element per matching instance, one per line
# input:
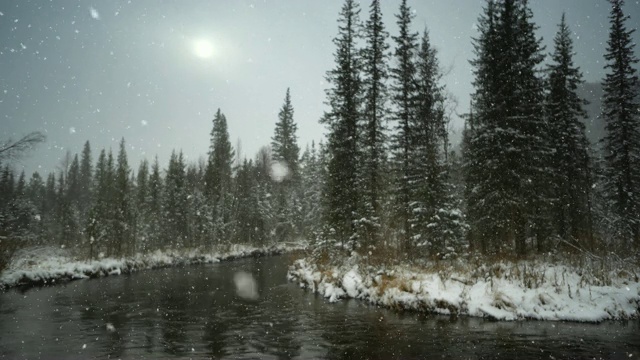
<point x="203" y="48"/>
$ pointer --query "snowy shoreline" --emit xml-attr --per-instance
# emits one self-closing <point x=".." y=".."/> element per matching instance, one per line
<point x="46" y="266"/>
<point x="526" y="290"/>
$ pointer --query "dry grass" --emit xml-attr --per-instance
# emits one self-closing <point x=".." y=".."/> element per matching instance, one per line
<point x="388" y="282"/>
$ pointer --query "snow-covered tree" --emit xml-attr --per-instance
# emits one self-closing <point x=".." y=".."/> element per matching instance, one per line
<point x="404" y="93"/>
<point x="373" y="151"/>
<point x="570" y="162"/>
<point x="342" y="119"/>
<point x="509" y="138"/>
<point x="622" y="140"/>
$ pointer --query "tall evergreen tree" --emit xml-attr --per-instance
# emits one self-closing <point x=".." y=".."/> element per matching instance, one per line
<point x="248" y="221"/>
<point x="511" y="152"/>
<point x="311" y="193"/>
<point x="72" y="200"/>
<point x="620" y="112"/>
<point x="154" y="206"/>
<point x="286" y="152"/>
<point x="373" y="138"/>
<point x="284" y="143"/>
<point x="122" y="205"/>
<point x="342" y="120"/>
<point x="86" y="181"/>
<point x="218" y="177"/>
<point x="142" y="211"/>
<point x="570" y="162"/>
<point x="427" y="149"/>
<point x="404" y="100"/>
<point x="174" y="210"/>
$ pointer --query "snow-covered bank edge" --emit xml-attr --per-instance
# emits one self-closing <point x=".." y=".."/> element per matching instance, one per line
<point x="556" y="293"/>
<point x="48" y="265"/>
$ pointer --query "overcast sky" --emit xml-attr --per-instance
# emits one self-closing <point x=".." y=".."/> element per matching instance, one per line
<point x="102" y="70"/>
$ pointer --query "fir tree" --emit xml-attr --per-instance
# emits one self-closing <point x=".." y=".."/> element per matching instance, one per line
<point x="510" y="152"/>
<point x="248" y="221"/>
<point x="342" y="120"/>
<point x="174" y="207"/>
<point x="427" y="149"/>
<point x="285" y="152"/>
<point x="268" y="220"/>
<point x="373" y="138"/>
<point x="153" y="204"/>
<point x="404" y="100"/>
<point x="622" y="140"/>
<point x="142" y="211"/>
<point x="218" y="177"/>
<point x="311" y="193"/>
<point x="284" y="143"/>
<point x="123" y="211"/>
<point x="570" y="162"/>
<point x="86" y="181"/>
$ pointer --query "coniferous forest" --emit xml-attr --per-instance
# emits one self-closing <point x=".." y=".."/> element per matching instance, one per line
<point x="386" y="181"/>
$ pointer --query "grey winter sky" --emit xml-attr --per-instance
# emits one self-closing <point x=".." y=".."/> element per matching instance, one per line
<point x="102" y="70"/>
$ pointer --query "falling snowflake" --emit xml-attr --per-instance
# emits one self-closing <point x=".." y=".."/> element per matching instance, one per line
<point x="144" y="122"/>
<point x="72" y="130"/>
<point x="94" y="13"/>
<point x="279" y="171"/>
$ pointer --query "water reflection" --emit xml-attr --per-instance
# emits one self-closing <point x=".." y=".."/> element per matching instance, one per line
<point x="195" y="311"/>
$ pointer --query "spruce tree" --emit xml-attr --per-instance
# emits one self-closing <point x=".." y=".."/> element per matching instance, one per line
<point x="142" y="211"/>
<point x="286" y="153"/>
<point x="154" y="205"/>
<point x="122" y="205"/>
<point x="375" y="72"/>
<point x="510" y="149"/>
<point x="570" y="161"/>
<point x="622" y="140"/>
<point x="72" y="200"/>
<point x="284" y="143"/>
<point x="342" y="120"/>
<point x="86" y="181"/>
<point x="218" y="177"/>
<point x="427" y="149"/>
<point x="404" y="101"/>
<point x="311" y="193"/>
<point x="248" y="221"/>
<point x="174" y="207"/>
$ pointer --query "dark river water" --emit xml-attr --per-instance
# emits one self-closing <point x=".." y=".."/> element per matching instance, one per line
<point x="195" y="312"/>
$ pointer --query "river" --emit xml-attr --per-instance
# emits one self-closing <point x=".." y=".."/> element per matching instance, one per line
<point x="195" y="312"/>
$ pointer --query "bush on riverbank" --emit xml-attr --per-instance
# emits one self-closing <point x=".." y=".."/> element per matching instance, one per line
<point x="577" y="288"/>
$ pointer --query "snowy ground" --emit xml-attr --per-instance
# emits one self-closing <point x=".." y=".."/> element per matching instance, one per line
<point x="504" y="291"/>
<point x="51" y="265"/>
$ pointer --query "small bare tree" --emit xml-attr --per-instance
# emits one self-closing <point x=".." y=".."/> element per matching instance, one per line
<point x="11" y="150"/>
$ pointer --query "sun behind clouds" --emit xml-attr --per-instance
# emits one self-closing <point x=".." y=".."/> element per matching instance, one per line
<point x="202" y="48"/>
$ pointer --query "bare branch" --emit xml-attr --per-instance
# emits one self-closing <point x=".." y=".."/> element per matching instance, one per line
<point x="11" y="150"/>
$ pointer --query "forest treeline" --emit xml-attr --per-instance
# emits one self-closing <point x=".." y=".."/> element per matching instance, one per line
<point x="526" y="180"/>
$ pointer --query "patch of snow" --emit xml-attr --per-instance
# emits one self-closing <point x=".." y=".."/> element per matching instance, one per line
<point x="44" y="265"/>
<point x="560" y="293"/>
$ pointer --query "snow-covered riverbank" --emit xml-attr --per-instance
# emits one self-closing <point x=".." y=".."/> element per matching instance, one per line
<point x="504" y="291"/>
<point x="50" y="265"/>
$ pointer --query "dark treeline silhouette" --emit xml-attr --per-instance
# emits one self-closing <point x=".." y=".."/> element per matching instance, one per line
<point x="527" y="180"/>
<point x="104" y="208"/>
